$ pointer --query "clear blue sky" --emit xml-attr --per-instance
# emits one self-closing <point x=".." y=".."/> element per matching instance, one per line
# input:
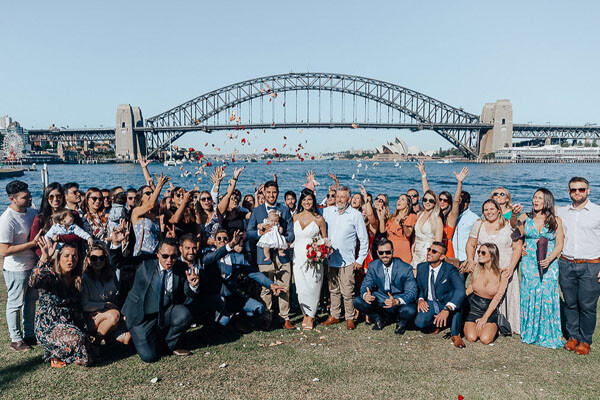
<point x="72" y="62"/>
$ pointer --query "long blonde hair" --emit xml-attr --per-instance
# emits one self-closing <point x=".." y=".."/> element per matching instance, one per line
<point x="77" y="272"/>
<point x="508" y="196"/>
<point x="495" y="261"/>
<point x="435" y="212"/>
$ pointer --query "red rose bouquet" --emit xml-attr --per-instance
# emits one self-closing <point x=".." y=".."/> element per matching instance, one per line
<point x="317" y="251"/>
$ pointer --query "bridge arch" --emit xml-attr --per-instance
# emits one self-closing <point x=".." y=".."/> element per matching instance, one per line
<point x="454" y="124"/>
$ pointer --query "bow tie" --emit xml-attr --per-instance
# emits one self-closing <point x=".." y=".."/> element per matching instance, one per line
<point x="269" y="208"/>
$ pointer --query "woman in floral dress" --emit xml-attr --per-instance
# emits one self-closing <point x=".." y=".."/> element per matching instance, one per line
<point x="540" y="302"/>
<point x="59" y="324"/>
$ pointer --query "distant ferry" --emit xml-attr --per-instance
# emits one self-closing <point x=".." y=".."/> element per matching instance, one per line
<point x="445" y="161"/>
<point x="170" y="163"/>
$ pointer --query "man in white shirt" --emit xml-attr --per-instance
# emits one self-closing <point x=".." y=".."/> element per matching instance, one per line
<point x="19" y="260"/>
<point x="579" y="265"/>
<point x="465" y="222"/>
<point x="345" y="226"/>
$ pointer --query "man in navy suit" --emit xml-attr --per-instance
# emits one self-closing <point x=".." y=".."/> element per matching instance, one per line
<point x="389" y="291"/>
<point x="278" y="269"/>
<point x="230" y="265"/>
<point x="154" y="310"/>
<point x="441" y="293"/>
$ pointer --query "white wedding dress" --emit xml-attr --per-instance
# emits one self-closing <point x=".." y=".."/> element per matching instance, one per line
<point x="308" y="279"/>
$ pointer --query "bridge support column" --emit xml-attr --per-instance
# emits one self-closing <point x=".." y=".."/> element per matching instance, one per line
<point x="128" y="143"/>
<point x="498" y="114"/>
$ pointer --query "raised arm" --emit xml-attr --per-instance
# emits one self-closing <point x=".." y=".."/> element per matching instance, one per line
<point x="335" y="179"/>
<point x="176" y="217"/>
<point x="153" y="201"/>
<point x="368" y="207"/>
<point x="144" y="164"/>
<point x="224" y="203"/>
<point x="421" y="168"/>
<point x="453" y="216"/>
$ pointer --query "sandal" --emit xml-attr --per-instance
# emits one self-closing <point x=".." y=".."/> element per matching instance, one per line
<point x="56" y="363"/>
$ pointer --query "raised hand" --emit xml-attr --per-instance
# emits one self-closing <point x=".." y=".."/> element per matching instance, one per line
<point x="161" y="180"/>
<point x="276" y="289"/>
<point x="192" y="277"/>
<point x="235" y="239"/>
<point x="335" y="179"/>
<point x="144" y="162"/>
<point x="310" y="176"/>
<point x="47" y="248"/>
<point x="171" y="231"/>
<point x="217" y="176"/>
<point x="237" y="171"/>
<point x="274" y="177"/>
<point x="368" y="297"/>
<point x="517" y="209"/>
<point x="462" y="174"/>
<point x="390" y="301"/>
<point x="363" y="192"/>
<point x="421" y="167"/>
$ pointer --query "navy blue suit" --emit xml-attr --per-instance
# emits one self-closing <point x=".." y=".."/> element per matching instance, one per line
<point x="279" y="268"/>
<point x="147" y="336"/>
<point x="402" y="286"/>
<point x="449" y="288"/>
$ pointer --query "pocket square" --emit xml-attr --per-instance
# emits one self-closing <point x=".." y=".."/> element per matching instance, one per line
<point x="444" y="281"/>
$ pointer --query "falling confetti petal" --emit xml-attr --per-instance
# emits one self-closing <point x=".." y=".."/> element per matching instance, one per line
<point x="223" y="365"/>
<point x="153" y="380"/>
<point x="269" y="162"/>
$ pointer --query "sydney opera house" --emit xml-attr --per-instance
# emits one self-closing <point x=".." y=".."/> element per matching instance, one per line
<point x="398" y="146"/>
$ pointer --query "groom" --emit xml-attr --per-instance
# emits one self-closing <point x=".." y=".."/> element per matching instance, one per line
<point x="278" y="269"/>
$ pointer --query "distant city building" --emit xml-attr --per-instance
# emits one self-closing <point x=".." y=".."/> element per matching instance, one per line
<point x="5" y="122"/>
<point x="548" y="152"/>
<point x="398" y="146"/>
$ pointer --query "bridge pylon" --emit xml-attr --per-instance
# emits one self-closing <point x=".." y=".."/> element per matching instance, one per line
<point x="500" y="116"/>
<point x="128" y="143"/>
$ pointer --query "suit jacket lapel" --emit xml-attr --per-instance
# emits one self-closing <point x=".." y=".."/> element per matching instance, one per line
<point x="440" y="278"/>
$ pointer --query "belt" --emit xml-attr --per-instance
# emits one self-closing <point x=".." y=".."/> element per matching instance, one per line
<point x="581" y="261"/>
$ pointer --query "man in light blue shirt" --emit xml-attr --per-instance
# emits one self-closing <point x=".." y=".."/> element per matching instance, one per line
<point x="345" y="226"/>
<point x="466" y="219"/>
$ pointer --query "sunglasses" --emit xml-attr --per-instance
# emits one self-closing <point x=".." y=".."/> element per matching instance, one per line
<point x="434" y="251"/>
<point x="501" y="194"/>
<point x="96" y="258"/>
<point x="94" y="198"/>
<point x="131" y="198"/>
<point x="55" y="196"/>
<point x="330" y="195"/>
<point x="482" y="253"/>
<point x="384" y="252"/>
<point x="205" y="198"/>
<point x="168" y="256"/>
<point x="147" y="193"/>
<point x="413" y="195"/>
<point x="575" y="190"/>
<point x="221" y="239"/>
<point x="178" y="195"/>
<point x="429" y="200"/>
<point x="378" y="199"/>
<point x="444" y="200"/>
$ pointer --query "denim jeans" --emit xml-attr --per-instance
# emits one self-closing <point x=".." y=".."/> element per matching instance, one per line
<point x="21" y="299"/>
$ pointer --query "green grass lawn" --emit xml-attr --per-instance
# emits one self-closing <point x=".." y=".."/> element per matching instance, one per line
<point x="358" y="364"/>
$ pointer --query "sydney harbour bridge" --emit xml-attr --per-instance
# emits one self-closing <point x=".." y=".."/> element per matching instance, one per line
<point x="317" y="100"/>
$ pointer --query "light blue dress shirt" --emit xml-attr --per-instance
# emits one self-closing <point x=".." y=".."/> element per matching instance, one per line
<point x="461" y="233"/>
<point x="344" y="230"/>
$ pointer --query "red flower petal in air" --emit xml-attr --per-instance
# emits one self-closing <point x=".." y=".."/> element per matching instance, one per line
<point x="312" y="158"/>
<point x="460" y="397"/>
<point x="269" y="162"/>
<point x="233" y="160"/>
<point x="208" y="164"/>
<point x="242" y="127"/>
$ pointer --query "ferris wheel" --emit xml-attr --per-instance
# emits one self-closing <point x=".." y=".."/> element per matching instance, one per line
<point x="12" y="146"/>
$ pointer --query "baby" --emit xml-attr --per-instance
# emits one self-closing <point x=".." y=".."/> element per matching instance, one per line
<point x="274" y="238"/>
<point x="63" y="224"/>
<point x="117" y="211"/>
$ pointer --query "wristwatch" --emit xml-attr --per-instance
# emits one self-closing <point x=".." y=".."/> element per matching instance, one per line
<point x="447" y="308"/>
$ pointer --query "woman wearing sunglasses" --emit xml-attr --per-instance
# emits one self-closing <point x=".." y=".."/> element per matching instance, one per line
<point x="494" y="228"/>
<point x="504" y="199"/>
<point x="182" y="215"/>
<point x="540" y="301"/>
<point x="144" y="218"/>
<point x="53" y="199"/>
<point x="428" y="228"/>
<point x="487" y="287"/>
<point x="233" y="217"/>
<point x="95" y="220"/>
<point x="99" y="295"/>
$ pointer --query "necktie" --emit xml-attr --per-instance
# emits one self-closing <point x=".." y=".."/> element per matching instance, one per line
<point x="161" y="298"/>
<point x="436" y="307"/>
<point x="386" y="272"/>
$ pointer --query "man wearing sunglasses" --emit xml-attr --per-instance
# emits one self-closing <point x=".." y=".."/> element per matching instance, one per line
<point x="154" y="310"/>
<point x="389" y="291"/>
<point x="441" y="293"/>
<point x="278" y="268"/>
<point x="415" y="199"/>
<point x="579" y="265"/>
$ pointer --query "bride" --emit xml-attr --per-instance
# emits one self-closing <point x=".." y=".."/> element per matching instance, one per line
<point x="308" y="224"/>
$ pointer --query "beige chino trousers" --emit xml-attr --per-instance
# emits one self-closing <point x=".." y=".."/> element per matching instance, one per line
<point x="341" y="284"/>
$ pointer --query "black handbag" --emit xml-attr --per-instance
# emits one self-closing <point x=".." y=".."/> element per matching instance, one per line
<point x="503" y="325"/>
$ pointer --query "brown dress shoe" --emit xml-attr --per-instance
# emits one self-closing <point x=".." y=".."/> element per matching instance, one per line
<point x="288" y="325"/>
<point x="458" y="342"/>
<point x="582" y="349"/>
<point x="350" y="325"/>
<point x="331" y="321"/>
<point x="182" y="352"/>
<point x="571" y="344"/>
<point x="20" y="346"/>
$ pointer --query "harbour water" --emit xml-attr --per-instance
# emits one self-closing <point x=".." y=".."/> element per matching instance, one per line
<point x="385" y="177"/>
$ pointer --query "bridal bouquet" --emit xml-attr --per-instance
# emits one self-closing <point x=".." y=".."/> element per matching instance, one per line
<point x="317" y="251"/>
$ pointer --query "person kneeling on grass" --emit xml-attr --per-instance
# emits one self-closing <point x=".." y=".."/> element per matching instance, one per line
<point x="441" y="293"/>
<point x="487" y="287"/>
<point x="154" y="310"/>
<point x="389" y="290"/>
